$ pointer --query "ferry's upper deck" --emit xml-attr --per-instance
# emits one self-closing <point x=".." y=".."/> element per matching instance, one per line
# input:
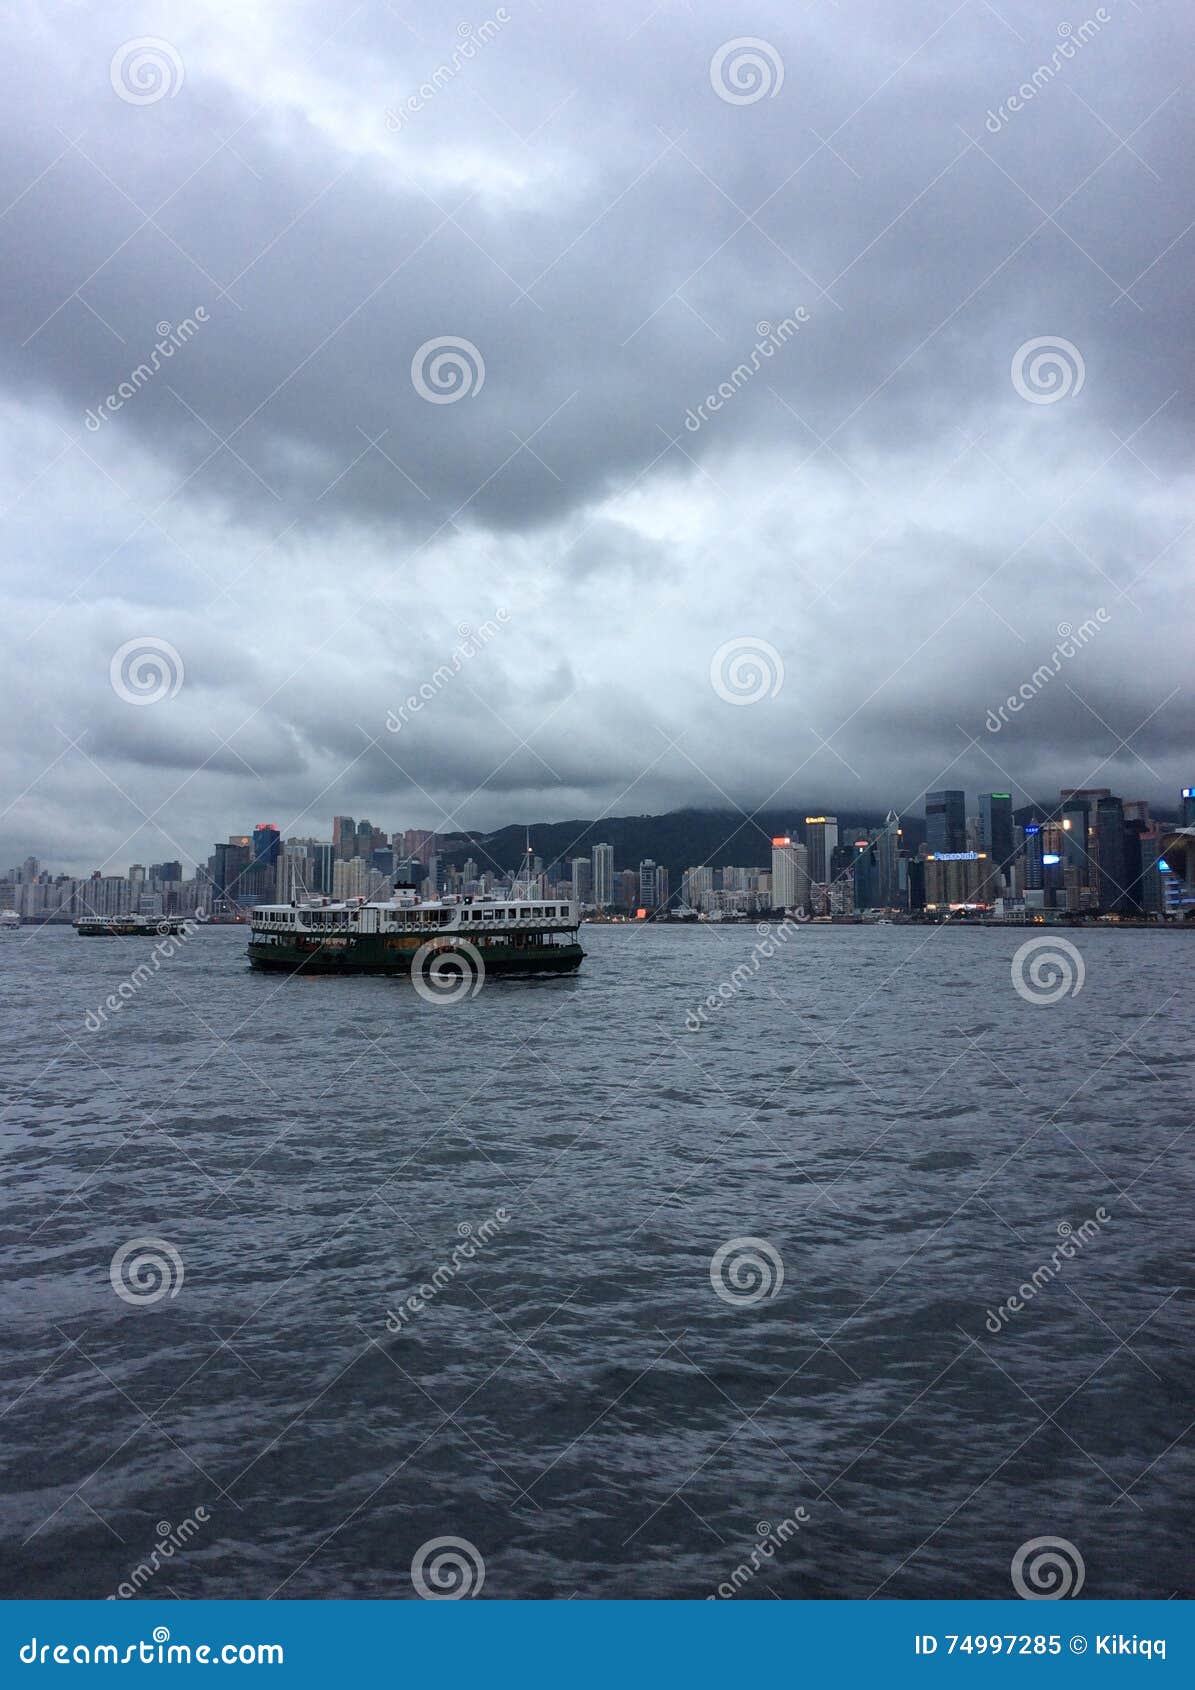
<point x="406" y="913"/>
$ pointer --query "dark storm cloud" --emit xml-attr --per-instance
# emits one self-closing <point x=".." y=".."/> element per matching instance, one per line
<point x="647" y="467"/>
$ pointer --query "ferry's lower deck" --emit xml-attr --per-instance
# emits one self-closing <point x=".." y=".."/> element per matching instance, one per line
<point x="393" y="953"/>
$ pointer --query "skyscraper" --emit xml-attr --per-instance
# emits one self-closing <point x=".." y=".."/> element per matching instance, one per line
<point x="946" y="820"/>
<point x="995" y="826"/>
<point x="887" y="853"/>
<point x="653" y="886"/>
<point x="821" y="838"/>
<point x="582" y="874"/>
<point x="603" y="876"/>
<point x="696" y="886"/>
<point x="344" y="837"/>
<point x="790" y="874"/>
<point x="1186" y="814"/>
<point x="1110" y="844"/>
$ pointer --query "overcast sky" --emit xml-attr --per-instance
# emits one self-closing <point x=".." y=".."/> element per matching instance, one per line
<point x="598" y="211"/>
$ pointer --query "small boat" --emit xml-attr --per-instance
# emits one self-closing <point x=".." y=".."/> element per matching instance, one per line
<point x="129" y="926"/>
<point x="467" y="937"/>
<point x="9" y="919"/>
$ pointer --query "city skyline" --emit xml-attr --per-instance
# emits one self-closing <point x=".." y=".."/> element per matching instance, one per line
<point x="1090" y="852"/>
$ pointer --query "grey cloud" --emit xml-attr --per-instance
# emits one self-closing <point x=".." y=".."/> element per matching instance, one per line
<point x="874" y="497"/>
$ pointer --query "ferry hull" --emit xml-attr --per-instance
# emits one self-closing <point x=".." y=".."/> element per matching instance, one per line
<point x="123" y="930"/>
<point x="386" y="954"/>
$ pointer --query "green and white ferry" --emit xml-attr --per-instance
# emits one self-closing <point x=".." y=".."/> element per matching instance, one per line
<point x="472" y="936"/>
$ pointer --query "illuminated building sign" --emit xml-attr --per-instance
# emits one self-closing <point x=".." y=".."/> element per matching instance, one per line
<point x="1033" y="828"/>
<point x="784" y="841"/>
<point x="957" y="856"/>
<point x="809" y="819"/>
<point x="1049" y="857"/>
<point x="1189" y="791"/>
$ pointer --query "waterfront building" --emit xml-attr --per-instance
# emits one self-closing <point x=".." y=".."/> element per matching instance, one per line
<point x="995" y="826"/>
<point x="582" y="879"/>
<point x="603" y="875"/>
<point x="790" y="874"/>
<point x="653" y="886"/>
<point x="887" y="864"/>
<point x="697" y="885"/>
<point x="821" y="840"/>
<point x="946" y="820"/>
<point x="959" y="878"/>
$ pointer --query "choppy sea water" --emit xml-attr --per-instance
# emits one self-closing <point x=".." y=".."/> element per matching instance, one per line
<point x="906" y="1136"/>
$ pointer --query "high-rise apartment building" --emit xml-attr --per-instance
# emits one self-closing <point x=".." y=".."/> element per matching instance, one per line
<point x="603" y="875"/>
<point x="653" y="886"/>
<point x="790" y="874"/>
<point x="696" y="886"/>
